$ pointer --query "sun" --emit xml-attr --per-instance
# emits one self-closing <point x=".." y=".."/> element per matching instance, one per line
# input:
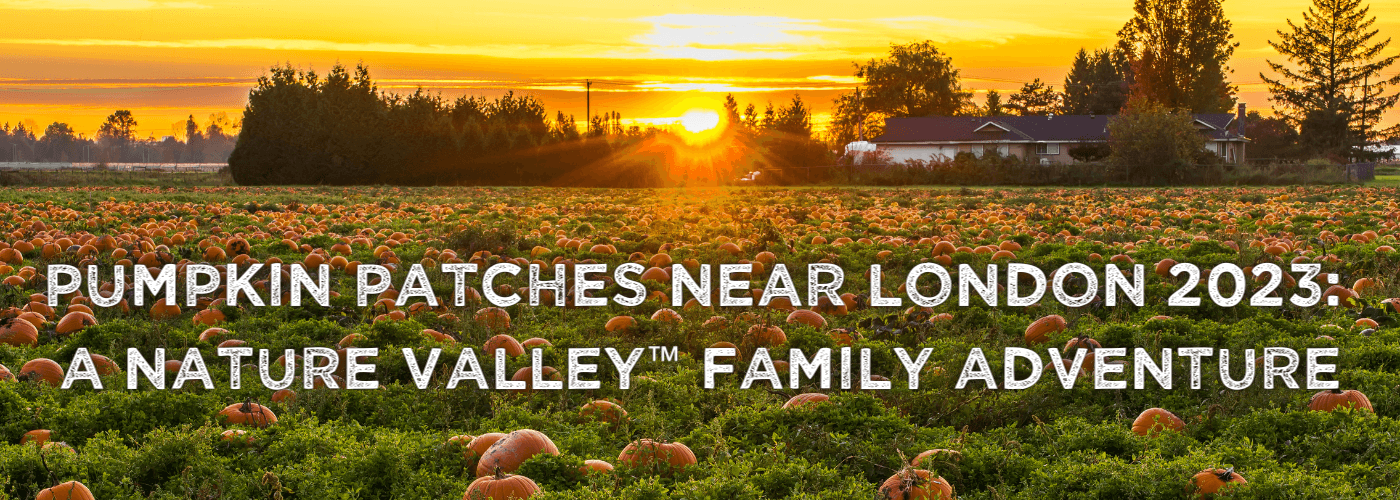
<point x="699" y="120"/>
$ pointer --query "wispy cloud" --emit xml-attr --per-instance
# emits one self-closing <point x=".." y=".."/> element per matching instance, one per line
<point x="945" y="29"/>
<point x="96" y="5"/>
<point x="497" y="50"/>
<point x="722" y="37"/>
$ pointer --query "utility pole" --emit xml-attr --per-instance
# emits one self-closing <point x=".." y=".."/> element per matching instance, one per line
<point x="588" y="106"/>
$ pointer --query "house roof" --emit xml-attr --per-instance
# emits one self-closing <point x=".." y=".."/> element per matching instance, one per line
<point x="1059" y="128"/>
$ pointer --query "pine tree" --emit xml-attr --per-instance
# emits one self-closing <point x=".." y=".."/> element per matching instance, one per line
<point x="993" y="106"/>
<point x="731" y="110"/>
<point x="1035" y="99"/>
<point x="1097" y="84"/>
<point x="1333" y="89"/>
<point x="1178" y="50"/>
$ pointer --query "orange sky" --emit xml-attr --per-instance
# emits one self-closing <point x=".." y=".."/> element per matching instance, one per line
<point x="77" y="60"/>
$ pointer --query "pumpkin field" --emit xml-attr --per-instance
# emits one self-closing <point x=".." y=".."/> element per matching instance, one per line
<point x="667" y="437"/>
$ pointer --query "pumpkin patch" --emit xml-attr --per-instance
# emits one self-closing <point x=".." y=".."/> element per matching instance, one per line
<point x="665" y="436"/>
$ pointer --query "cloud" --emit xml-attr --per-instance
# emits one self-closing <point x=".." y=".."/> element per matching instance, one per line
<point x="96" y="5"/>
<point x="706" y="30"/>
<point x="944" y="29"/>
<point x="496" y="50"/>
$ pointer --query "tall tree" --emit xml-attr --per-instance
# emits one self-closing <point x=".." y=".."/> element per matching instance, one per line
<point x="1332" y="88"/>
<point x="120" y="127"/>
<point x="731" y="111"/>
<point x="1098" y="83"/>
<point x="993" y="106"/>
<point x="58" y="143"/>
<point x="794" y="119"/>
<point x="1178" y="50"/>
<point x="915" y="80"/>
<point x="1035" y="99"/>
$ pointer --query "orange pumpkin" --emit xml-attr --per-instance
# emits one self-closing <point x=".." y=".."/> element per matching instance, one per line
<point x="248" y="413"/>
<point x="604" y="410"/>
<point x="1212" y="481"/>
<point x="105" y="366"/>
<point x="595" y="466"/>
<point x="666" y="315"/>
<point x="1337" y="398"/>
<point x="1039" y="331"/>
<point x="509" y="452"/>
<point x="646" y="452"/>
<point x="42" y="369"/>
<point x="18" y="332"/>
<point x="526" y="375"/>
<point x="71" y="490"/>
<point x="766" y="336"/>
<point x="807" y="317"/>
<point x="619" y="324"/>
<point x="503" y="341"/>
<point x="532" y="343"/>
<point x="37" y="436"/>
<point x="805" y="398"/>
<point x="1152" y="421"/>
<point x="493" y="318"/>
<point x="501" y="486"/>
<point x="73" y="322"/>
<point x="161" y="311"/>
<point x="284" y="396"/>
<point x="478" y="445"/>
<point x="910" y="484"/>
<point x="209" y="317"/>
<point x="213" y="334"/>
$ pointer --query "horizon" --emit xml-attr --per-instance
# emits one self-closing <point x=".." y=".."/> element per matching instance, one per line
<point x="651" y="63"/>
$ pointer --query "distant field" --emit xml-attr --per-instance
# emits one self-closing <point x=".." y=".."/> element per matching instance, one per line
<point x="1042" y="442"/>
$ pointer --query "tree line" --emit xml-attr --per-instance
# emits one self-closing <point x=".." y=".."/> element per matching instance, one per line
<point x="1329" y="88"/>
<point x="117" y="141"/>
<point x="303" y="128"/>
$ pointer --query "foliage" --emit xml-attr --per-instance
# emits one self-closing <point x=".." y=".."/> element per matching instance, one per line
<point x="1035" y="99"/>
<point x="1178" y="50"/>
<point x="916" y="79"/>
<point x="1154" y="144"/>
<point x="1098" y="83"/>
<point x="1332" y="86"/>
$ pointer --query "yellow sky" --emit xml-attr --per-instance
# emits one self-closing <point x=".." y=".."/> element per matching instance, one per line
<point x="77" y="60"/>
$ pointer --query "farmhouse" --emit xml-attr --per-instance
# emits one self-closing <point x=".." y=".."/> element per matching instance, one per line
<point x="1042" y="139"/>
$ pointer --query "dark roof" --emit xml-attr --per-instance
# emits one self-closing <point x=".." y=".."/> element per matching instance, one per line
<point x="1022" y="128"/>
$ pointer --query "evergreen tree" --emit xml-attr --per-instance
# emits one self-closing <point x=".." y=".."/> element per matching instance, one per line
<point x="731" y="110"/>
<point x="993" y="106"/>
<point x="1035" y="99"/>
<point x="1178" y="50"/>
<point x="1333" y="89"/>
<point x="794" y="119"/>
<point x="1098" y="83"/>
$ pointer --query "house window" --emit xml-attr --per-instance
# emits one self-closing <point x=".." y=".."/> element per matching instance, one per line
<point x="978" y="150"/>
<point x="1047" y="148"/>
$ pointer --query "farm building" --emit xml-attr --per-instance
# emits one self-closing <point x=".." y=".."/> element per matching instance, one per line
<point x="1043" y="139"/>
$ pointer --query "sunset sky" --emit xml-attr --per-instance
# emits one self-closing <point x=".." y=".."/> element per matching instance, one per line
<point x="77" y="60"/>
